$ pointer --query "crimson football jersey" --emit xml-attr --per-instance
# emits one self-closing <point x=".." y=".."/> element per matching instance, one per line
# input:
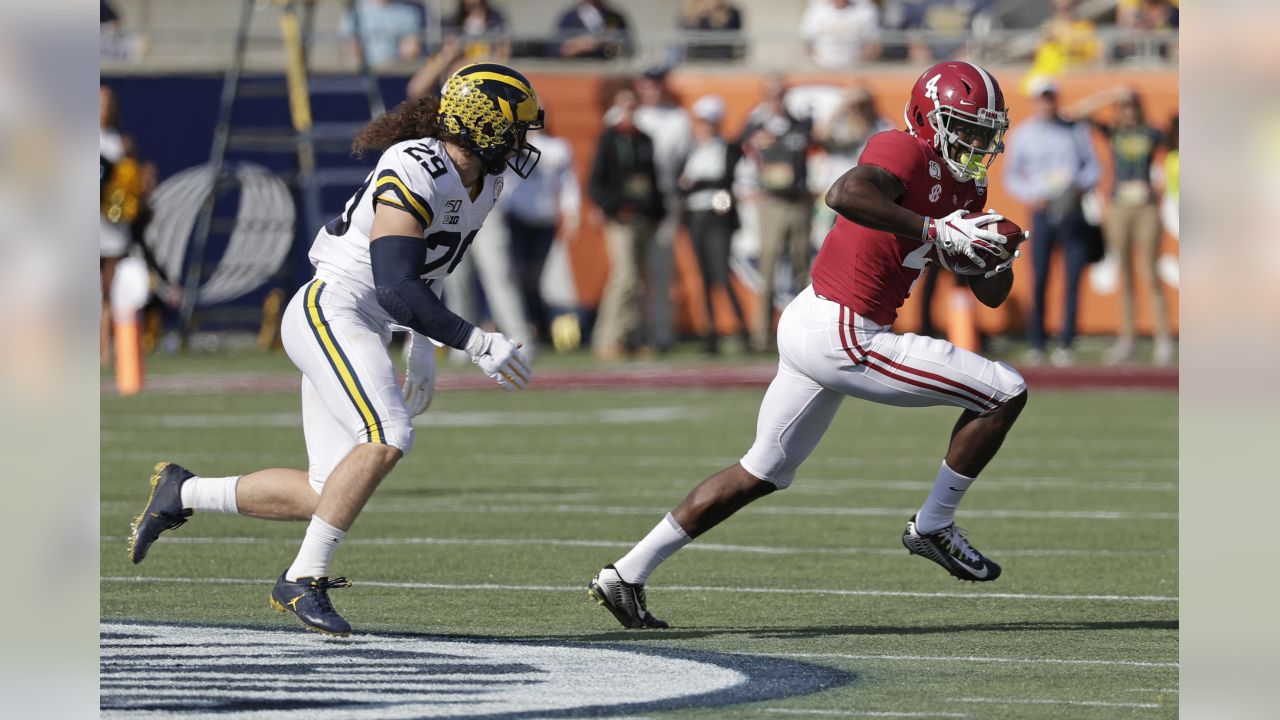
<point x="872" y="271"/>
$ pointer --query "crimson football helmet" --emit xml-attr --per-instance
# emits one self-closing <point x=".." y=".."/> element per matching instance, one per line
<point x="958" y="108"/>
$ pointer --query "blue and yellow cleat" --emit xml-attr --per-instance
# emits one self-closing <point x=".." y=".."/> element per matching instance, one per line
<point x="164" y="509"/>
<point x="308" y="598"/>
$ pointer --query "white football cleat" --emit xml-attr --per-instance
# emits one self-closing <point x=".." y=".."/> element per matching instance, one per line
<point x="625" y="600"/>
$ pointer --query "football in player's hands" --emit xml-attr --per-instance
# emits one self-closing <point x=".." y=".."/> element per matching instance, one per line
<point x="1013" y="234"/>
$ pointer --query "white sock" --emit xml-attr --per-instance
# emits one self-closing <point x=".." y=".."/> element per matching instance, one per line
<point x="665" y="538"/>
<point x="316" y="551"/>
<point x="211" y="494"/>
<point x="939" y="510"/>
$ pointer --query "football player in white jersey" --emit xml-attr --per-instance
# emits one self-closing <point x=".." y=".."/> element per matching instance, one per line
<point x="378" y="267"/>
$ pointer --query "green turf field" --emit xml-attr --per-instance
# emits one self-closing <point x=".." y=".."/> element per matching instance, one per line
<point x="528" y="495"/>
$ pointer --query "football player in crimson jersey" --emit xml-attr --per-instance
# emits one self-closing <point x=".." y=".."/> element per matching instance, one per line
<point x="910" y="201"/>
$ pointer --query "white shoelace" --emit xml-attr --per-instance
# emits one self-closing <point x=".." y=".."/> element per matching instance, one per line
<point x="956" y="539"/>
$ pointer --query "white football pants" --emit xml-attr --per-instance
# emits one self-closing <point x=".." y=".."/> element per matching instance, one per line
<point x="349" y="389"/>
<point x="826" y="351"/>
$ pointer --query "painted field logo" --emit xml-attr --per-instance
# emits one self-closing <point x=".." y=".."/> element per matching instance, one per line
<point x="239" y="672"/>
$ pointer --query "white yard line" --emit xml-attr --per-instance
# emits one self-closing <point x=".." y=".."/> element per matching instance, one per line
<point x="868" y="713"/>
<point x="976" y="659"/>
<point x="902" y="512"/>
<point x="626" y="544"/>
<point x="682" y="588"/>
<point x="477" y="419"/>
<point x="431" y="505"/>
<point x="1047" y="701"/>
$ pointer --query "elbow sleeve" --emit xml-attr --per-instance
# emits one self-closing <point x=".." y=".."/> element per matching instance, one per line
<point x="404" y="295"/>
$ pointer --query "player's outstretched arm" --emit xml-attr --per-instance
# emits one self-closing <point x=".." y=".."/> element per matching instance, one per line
<point x="868" y="195"/>
<point x="991" y="291"/>
<point x="396" y="251"/>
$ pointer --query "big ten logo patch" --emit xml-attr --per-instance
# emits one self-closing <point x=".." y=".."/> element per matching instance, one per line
<point x="451" y="209"/>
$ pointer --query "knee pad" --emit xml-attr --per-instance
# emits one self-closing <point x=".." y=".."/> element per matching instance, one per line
<point x="400" y="436"/>
<point x="1008" y="381"/>
<point x="781" y="475"/>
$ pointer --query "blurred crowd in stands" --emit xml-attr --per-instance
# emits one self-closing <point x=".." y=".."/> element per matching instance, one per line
<point x="659" y="170"/>
<point x="837" y="34"/>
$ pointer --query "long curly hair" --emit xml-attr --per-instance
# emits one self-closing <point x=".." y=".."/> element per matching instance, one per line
<point x="409" y="120"/>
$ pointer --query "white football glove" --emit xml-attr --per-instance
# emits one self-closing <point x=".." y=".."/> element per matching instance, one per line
<point x="957" y="235"/>
<point x="420" y="375"/>
<point x="500" y="358"/>
<point x="1017" y="253"/>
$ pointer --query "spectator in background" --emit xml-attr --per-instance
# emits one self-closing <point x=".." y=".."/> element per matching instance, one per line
<point x="1133" y="218"/>
<point x="665" y="121"/>
<point x="841" y="33"/>
<point x="706" y="184"/>
<point x="1170" y="181"/>
<point x="1140" y="17"/>
<point x="1050" y="164"/>
<point x="540" y="208"/>
<point x="776" y="144"/>
<point x="475" y="33"/>
<point x="593" y="30"/>
<point x="109" y="19"/>
<point x="1144" y="15"/>
<point x="842" y="134"/>
<point x="708" y="17"/>
<point x="949" y="24"/>
<point x="478" y="31"/>
<point x="113" y="234"/>
<point x="1066" y="42"/>
<point x="624" y="184"/>
<point x="386" y="30"/>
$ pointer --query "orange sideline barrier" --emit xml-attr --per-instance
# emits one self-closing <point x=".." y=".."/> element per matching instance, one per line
<point x="576" y="102"/>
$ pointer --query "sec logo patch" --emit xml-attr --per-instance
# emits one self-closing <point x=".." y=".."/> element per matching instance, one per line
<point x="935" y="193"/>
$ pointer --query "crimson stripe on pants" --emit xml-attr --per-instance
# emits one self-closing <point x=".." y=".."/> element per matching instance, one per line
<point x="973" y="396"/>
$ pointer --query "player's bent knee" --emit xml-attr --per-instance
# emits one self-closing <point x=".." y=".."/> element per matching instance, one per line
<point x="1010" y="383"/>
<point x="404" y="440"/>
<point x="780" y="481"/>
<point x="777" y="474"/>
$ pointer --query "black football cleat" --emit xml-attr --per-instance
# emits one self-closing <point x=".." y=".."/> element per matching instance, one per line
<point x="164" y="509"/>
<point x="308" y="598"/>
<point x="949" y="548"/>
<point x="625" y="600"/>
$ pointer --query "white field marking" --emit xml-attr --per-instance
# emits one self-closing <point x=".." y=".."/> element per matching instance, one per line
<point x="624" y="544"/>
<point x="681" y="588"/>
<point x="612" y="416"/>
<point x="502" y="678"/>
<point x="978" y="659"/>
<point x="827" y="486"/>
<point x="770" y="510"/>
<point x="1046" y="701"/>
<point x="452" y="507"/>
<point x="868" y="713"/>
<point x="449" y="506"/>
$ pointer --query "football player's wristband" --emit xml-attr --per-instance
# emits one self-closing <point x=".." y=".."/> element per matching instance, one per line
<point x="924" y="232"/>
<point x="404" y="295"/>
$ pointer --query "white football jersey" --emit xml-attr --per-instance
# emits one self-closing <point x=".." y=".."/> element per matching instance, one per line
<point x="419" y="178"/>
